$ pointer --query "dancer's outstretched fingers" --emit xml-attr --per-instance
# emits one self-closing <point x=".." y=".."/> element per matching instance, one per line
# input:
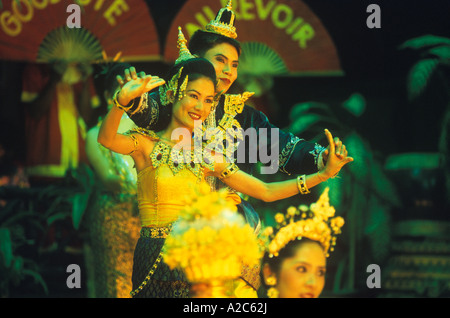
<point x="120" y="80"/>
<point x="133" y="73"/>
<point x="154" y="82"/>
<point x="330" y="142"/>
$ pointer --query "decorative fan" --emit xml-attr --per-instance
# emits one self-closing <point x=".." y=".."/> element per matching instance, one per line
<point x="260" y="59"/>
<point x="282" y="32"/>
<point x="38" y="32"/>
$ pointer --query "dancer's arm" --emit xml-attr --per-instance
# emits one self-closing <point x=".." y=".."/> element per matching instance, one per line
<point x="108" y="136"/>
<point x="249" y="185"/>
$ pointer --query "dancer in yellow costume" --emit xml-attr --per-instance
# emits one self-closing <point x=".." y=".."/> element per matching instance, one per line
<point x="217" y="43"/>
<point x="168" y="167"/>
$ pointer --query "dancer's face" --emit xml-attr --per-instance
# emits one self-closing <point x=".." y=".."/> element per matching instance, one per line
<point x="303" y="275"/>
<point x="196" y="103"/>
<point x="225" y="59"/>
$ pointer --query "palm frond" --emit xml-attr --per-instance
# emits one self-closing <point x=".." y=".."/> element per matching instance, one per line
<point x="378" y="229"/>
<point x="424" y="42"/>
<point x="419" y="76"/>
<point x="304" y="108"/>
<point x="441" y="52"/>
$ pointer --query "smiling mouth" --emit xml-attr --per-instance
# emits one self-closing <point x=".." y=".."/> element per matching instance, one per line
<point x="307" y="295"/>
<point x="194" y="116"/>
<point x="225" y="80"/>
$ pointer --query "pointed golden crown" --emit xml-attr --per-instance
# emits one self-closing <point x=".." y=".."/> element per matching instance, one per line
<point x="224" y="22"/>
<point x="184" y="53"/>
<point x="316" y="222"/>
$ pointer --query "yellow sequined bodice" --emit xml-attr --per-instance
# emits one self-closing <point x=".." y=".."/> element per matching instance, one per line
<point x="160" y="194"/>
<point x="162" y="187"/>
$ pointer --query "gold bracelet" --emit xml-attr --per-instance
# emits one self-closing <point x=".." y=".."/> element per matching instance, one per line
<point x="228" y="171"/>
<point x="118" y="105"/>
<point x="301" y="184"/>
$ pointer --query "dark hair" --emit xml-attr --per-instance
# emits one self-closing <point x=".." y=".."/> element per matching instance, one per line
<point x="194" y="68"/>
<point x="202" y="41"/>
<point x="286" y="252"/>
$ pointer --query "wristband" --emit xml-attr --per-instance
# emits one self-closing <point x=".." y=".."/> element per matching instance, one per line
<point x="118" y="105"/>
<point x="301" y="184"/>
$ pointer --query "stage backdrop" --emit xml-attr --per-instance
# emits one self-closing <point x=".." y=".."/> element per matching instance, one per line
<point x="278" y="36"/>
<point x="37" y="31"/>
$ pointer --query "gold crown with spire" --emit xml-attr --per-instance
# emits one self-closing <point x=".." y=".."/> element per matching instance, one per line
<point x="316" y="223"/>
<point x="224" y="22"/>
<point x="184" y="53"/>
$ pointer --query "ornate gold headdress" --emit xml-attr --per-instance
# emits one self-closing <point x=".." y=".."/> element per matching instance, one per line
<point x="316" y="222"/>
<point x="224" y="22"/>
<point x="172" y="85"/>
<point x="184" y="53"/>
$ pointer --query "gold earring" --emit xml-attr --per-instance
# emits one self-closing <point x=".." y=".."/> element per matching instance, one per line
<point x="272" y="292"/>
<point x="271" y="280"/>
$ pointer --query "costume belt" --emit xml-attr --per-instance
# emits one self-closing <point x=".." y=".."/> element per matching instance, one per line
<point x="156" y="232"/>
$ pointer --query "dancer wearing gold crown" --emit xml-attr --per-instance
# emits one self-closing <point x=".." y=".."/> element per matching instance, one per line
<point x="294" y="264"/>
<point x="218" y="44"/>
<point x="168" y="168"/>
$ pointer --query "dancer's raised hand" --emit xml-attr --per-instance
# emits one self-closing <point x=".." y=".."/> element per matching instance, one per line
<point x="138" y="86"/>
<point x="335" y="161"/>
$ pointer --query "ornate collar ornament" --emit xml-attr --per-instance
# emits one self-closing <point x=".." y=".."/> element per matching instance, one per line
<point x="176" y="159"/>
<point x="316" y="223"/>
<point x="224" y="22"/>
<point x="225" y="137"/>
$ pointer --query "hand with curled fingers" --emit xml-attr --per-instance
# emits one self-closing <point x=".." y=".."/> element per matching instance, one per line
<point x="337" y="156"/>
<point x="137" y="86"/>
<point x="340" y="149"/>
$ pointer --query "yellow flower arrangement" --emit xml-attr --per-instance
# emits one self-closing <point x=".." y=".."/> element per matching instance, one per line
<point x="211" y="240"/>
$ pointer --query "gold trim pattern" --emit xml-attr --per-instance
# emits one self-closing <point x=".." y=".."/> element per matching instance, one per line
<point x="155" y="232"/>
<point x="231" y="169"/>
<point x="286" y="153"/>
<point x="149" y="275"/>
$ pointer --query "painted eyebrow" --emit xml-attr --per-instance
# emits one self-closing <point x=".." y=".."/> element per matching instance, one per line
<point x="219" y="54"/>
<point x="308" y="264"/>
<point x="193" y="90"/>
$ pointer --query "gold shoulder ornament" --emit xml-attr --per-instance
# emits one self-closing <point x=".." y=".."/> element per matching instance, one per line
<point x="228" y="128"/>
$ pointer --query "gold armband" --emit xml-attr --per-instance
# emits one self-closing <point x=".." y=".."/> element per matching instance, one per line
<point x="231" y="169"/>
<point x="301" y="184"/>
<point x="135" y="143"/>
<point x="118" y="105"/>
